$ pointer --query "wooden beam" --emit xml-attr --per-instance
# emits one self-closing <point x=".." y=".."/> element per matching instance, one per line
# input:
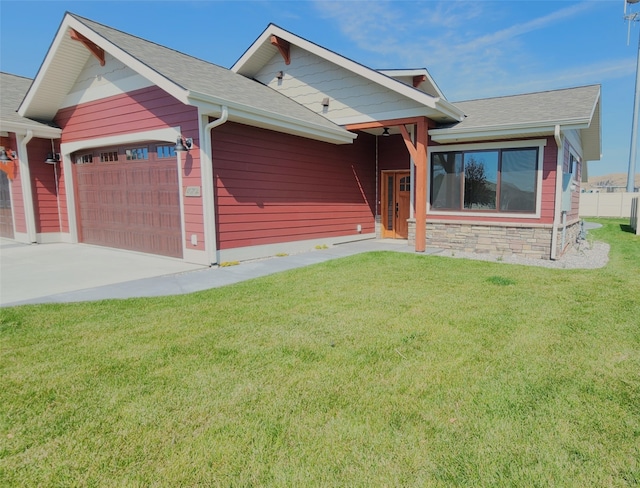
<point x="408" y="142"/>
<point x="284" y="47"/>
<point x="379" y="124"/>
<point x="93" y="48"/>
<point x="420" y="162"/>
<point x="418" y="80"/>
<point x="419" y="155"/>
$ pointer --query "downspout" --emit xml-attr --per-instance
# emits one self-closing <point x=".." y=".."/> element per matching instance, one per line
<point x="25" y="182"/>
<point x="564" y="230"/>
<point x="558" y="198"/>
<point x="208" y="200"/>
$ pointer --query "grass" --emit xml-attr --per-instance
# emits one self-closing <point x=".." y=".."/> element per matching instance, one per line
<point x="383" y="369"/>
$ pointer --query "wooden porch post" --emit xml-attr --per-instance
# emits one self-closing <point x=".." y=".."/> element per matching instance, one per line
<point x="421" y="185"/>
<point x="419" y="155"/>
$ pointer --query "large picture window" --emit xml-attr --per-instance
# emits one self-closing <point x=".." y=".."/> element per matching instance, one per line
<point x="496" y="180"/>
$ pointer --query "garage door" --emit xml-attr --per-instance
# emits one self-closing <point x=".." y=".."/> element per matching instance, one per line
<point x="129" y="198"/>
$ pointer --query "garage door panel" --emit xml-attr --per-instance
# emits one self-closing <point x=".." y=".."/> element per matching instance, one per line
<point x="130" y="205"/>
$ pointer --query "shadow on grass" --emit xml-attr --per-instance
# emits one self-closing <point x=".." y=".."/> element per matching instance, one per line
<point x="626" y="228"/>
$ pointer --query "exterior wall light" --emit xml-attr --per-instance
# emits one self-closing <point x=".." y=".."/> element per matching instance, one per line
<point x="6" y="157"/>
<point x="183" y="144"/>
<point x="52" y="158"/>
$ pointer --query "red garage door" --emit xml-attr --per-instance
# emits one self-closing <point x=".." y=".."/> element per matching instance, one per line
<point x="129" y="198"/>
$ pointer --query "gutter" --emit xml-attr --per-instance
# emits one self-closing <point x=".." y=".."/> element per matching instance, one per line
<point x="453" y="134"/>
<point x="558" y="198"/>
<point x="208" y="200"/>
<point x="43" y="131"/>
<point x="268" y="119"/>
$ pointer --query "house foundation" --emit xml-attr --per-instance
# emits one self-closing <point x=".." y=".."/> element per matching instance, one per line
<point x="531" y="241"/>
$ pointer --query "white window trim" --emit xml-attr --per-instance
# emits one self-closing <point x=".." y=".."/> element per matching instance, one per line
<point x="539" y="143"/>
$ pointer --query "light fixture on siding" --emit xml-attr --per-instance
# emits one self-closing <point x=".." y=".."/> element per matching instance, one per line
<point x="4" y="157"/>
<point x="52" y="158"/>
<point x="6" y="162"/>
<point x="280" y="75"/>
<point x="385" y="132"/>
<point x="325" y="102"/>
<point x="183" y="144"/>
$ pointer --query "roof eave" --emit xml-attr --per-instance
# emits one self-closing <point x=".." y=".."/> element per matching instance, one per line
<point x="270" y="120"/>
<point x="71" y="22"/>
<point x="42" y="131"/>
<point x="444" y="136"/>
<point x="37" y="81"/>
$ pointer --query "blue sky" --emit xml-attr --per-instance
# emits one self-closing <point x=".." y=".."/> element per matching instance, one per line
<point x="473" y="49"/>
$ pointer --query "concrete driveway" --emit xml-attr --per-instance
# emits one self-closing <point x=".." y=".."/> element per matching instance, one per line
<point x="29" y="272"/>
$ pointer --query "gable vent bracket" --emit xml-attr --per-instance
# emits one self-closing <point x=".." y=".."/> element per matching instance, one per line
<point x="418" y="80"/>
<point x="284" y="47"/>
<point x="93" y="48"/>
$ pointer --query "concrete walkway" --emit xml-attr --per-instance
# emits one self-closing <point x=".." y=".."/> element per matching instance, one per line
<point x="55" y="273"/>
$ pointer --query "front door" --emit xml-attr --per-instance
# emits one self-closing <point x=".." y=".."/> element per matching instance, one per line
<point x="396" y="202"/>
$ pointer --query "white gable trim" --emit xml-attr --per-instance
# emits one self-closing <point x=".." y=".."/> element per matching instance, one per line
<point x="392" y="73"/>
<point x="39" y="79"/>
<point x="153" y="76"/>
<point x="69" y="22"/>
<point x="435" y="103"/>
<point x="242" y="113"/>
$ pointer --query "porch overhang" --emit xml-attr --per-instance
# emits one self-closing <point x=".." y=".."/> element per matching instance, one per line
<point x="418" y="152"/>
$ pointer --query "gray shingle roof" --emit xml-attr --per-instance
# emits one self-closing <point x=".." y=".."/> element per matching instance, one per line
<point x="13" y="89"/>
<point x="543" y="108"/>
<point x="206" y="78"/>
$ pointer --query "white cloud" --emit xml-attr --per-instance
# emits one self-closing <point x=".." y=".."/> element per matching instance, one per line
<point x="458" y="43"/>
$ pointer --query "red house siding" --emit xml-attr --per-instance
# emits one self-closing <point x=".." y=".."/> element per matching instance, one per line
<point x="393" y="153"/>
<point x="43" y="184"/>
<point x="272" y="187"/>
<point x="142" y="110"/>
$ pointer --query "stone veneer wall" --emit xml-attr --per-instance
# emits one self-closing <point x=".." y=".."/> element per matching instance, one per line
<point x="572" y="234"/>
<point x="496" y="239"/>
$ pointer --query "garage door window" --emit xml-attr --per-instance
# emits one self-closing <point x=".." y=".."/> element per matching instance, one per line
<point x="166" y="151"/>
<point x="108" y="156"/>
<point x="137" y="153"/>
<point x="84" y="159"/>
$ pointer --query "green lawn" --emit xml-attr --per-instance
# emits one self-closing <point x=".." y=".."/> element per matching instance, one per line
<point x="384" y="369"/>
